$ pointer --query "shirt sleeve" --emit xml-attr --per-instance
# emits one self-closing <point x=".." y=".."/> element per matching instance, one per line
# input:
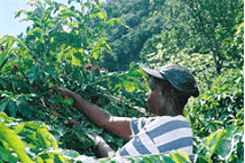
<point x="137" y="124"/>
<point x="141" y="144"/>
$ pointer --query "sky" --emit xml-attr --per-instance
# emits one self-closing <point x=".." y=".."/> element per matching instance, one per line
<point x="10" y="25"/>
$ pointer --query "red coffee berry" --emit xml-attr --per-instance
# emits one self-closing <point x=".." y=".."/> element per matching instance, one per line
<point x="2" y="48"/>
<point x="119" y="103"/>
<point x="96" y="68"/>
<point x="89" y="67"/>
<point x="19" y="78"/>
<point x="92" y="96"/>
<point x="15" y="68"/>
<point x="51" y="108"/>
<point x="56" y="114"/>
<point x="36" y="90"/>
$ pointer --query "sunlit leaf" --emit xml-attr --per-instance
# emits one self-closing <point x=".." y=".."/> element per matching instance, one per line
<point x="129" y="86"/>
<point x="14" y="142"/>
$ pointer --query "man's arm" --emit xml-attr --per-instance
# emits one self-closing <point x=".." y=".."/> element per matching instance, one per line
<point x="102" y="148"/>
<point x="119" y="126"/>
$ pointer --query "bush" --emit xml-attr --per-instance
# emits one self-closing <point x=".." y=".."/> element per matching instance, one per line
<point x="216" y="118"/>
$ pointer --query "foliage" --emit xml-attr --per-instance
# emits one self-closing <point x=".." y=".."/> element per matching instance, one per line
<point x="61" y="40"/>
<point x="127" y="40"/>
<point x="64" y="47"/>
<point x="31" y="142"/>
<point x="217" y="118"/>
<point x="204" y="27"/>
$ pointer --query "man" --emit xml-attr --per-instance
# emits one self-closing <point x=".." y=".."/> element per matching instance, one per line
<point x="171" y="87"/>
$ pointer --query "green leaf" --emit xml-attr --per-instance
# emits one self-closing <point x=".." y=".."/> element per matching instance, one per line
<point x="132" y="64"/>
<point x="7" y="119"/>
<point x="7" y="156"/>
<point x="177" y="158"/>
<point x="9" y="44"/>
<point x="4" y="105"/>
<point x="225" y="149"/>
<point x="96" y="55"/>
<point x="24" y="108"/>
<point x="17" y="13"/>
<point x="33" y="73"/>
<point x="68" y="101"/>
<point x="51" y="72"/>
<point x="12" y="108"/>
<point x="48" y="2"/>
<point x="14" y="142"/>
<point x="214" y="140"/>
<point x="75" y="61"/>
<point x="70" y="153"/>
<point x="183" y="154"/>
<point x="35" y="31"/>
<point x="129" y="86"/>
<point x="2" y="58"/>
<point x="167" y="159"/>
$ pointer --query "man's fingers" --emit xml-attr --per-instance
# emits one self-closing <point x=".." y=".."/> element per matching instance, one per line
<point x="74" y="121"/>
<point x="64" y="93"/>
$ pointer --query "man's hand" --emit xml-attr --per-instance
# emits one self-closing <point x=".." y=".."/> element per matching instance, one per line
<point x="65" y="93"/>
<point x="102" y="148"/>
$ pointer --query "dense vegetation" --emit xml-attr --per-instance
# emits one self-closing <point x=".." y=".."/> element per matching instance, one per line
<point x="96" y="49"/>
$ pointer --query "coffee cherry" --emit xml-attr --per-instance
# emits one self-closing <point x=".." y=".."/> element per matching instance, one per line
<point x="96" y="68"/>
<point x="15" y="68"/>
<point x="119" y="103"/>
<point x="2" y="48"/>
<point x="19" y="78"/>
<point x="92" y="96"/>
<point x="89" y="67"/>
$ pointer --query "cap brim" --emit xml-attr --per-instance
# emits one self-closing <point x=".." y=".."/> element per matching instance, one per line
<point x="152" y="72"/>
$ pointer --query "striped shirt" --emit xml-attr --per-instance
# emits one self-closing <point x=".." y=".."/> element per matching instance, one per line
<point x="156" y="135"/>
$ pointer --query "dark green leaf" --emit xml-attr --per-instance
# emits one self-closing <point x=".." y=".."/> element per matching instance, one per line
<point x="4" y="104"/>
<point x="12" y="108"/>
<point x="167" y="159"/>
<point x="51" y="72"/>
<point x="6" y="155"/>
<point x="33" y="73"/>
<point x="24" y="108"/>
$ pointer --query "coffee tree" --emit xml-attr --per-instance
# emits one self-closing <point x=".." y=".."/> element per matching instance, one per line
<point x="62" y="48"/>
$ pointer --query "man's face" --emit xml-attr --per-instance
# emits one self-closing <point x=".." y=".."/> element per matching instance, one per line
<point x="156" y="102"/>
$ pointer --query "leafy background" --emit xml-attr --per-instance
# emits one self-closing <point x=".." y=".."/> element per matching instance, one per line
<point x="97" y="50"/>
